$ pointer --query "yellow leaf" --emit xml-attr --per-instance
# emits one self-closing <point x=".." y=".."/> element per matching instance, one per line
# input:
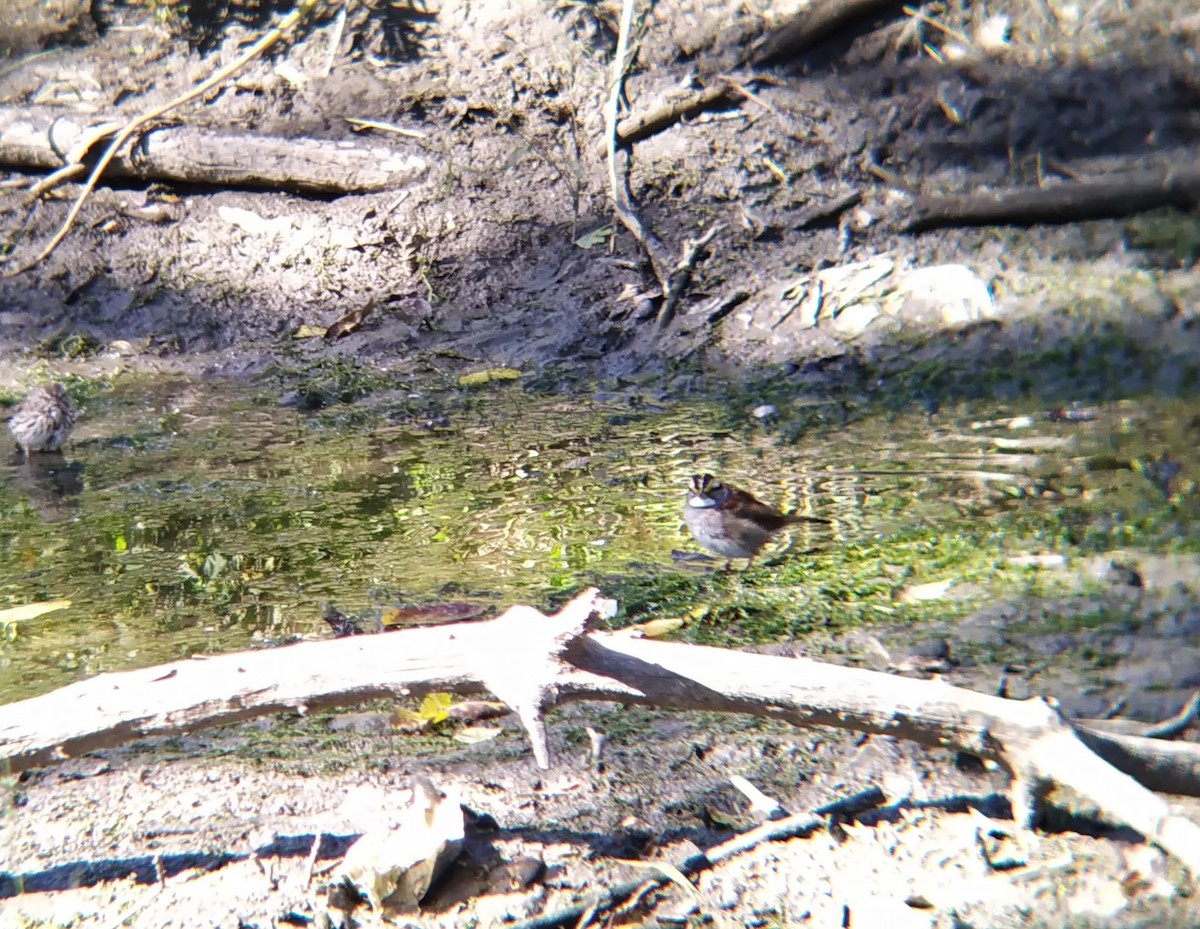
<point x="435" y="707"/>
<point x="309" y="332"/>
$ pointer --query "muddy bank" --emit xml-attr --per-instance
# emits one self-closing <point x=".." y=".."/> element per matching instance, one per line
<point x="504" y="251"/>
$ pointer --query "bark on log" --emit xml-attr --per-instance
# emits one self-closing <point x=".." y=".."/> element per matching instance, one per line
<point x="45" y="140"/>
<point x="532" y="661"/>
<point x="1111" y="196"/>
<point x="815" y="23"/>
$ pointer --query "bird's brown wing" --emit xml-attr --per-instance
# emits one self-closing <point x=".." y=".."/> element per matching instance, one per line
<point x="751" y="508"/>
<point x="794" y="518"/>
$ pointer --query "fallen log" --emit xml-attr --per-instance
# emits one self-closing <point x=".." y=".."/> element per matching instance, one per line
<point x="532" y="661"/>
<point x="1111" y="196"/>
<point x="45" y="140"/>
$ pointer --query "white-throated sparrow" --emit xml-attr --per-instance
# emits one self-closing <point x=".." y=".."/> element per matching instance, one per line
<point x="732" y="522"/>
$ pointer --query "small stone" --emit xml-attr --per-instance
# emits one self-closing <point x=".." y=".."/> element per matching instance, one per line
<point x="362" y="723"/>
<point x="943" y="295"/>
<point x="854" y="320"/>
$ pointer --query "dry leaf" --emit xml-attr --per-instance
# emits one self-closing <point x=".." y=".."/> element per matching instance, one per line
<point x="666" y="869"/>
<point x="473" y="735"/>
<point x="658" y="628"/>
<point x="349" y="323"/>
<point x="396" y="864"/>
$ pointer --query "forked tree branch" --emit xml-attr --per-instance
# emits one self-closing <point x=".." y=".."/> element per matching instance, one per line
<point x="533" y="661"/>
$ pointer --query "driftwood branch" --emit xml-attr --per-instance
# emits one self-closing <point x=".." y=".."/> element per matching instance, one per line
<point x="534" y="661"/>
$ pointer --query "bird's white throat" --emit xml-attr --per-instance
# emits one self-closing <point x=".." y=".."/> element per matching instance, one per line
<point x="701" y="503"/>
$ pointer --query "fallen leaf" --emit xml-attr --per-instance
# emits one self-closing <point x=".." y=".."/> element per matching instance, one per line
<point x="473" y="735"/>
<point x="435" y="707"/>
<point x="666" y="869"/>
<point x="658" y="628"/>
<point x="309" y="332"/>
<point x="349" y="323"/>
<point x="595" y="237"/>
<point x="430" y="614"/>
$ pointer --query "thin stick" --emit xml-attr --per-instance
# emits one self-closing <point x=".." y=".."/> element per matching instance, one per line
<point x="65" y="173"/>
<point x="679" y="280"/>
<point x="310" y="862"/>
<point x="612" y="106"/>
<point x="615" y="898"/>
<point x="270" y="38"/>
<point x="335" y="41"/>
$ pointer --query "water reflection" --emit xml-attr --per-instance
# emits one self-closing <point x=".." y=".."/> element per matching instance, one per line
<point x="48" y="482"/>
<point x="201" y="521"/>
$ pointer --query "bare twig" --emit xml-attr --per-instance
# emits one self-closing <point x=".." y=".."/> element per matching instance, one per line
<point x="615" y="898"/>
<point x="1174" y="725"/>
<point x="310" y="860"/>
<point x="612" y="106"/>
<point x="65" y="173"/>
<point x="125" y="134"/>
<point x="673" y="284"/>
<point x="677" y="284"/>
<point x="629" y="219"/>
<point x="827" y="210"/>
<point x="335" y="42"/>
<point x="639" y="128"/>
<point x="723" y="306"/>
